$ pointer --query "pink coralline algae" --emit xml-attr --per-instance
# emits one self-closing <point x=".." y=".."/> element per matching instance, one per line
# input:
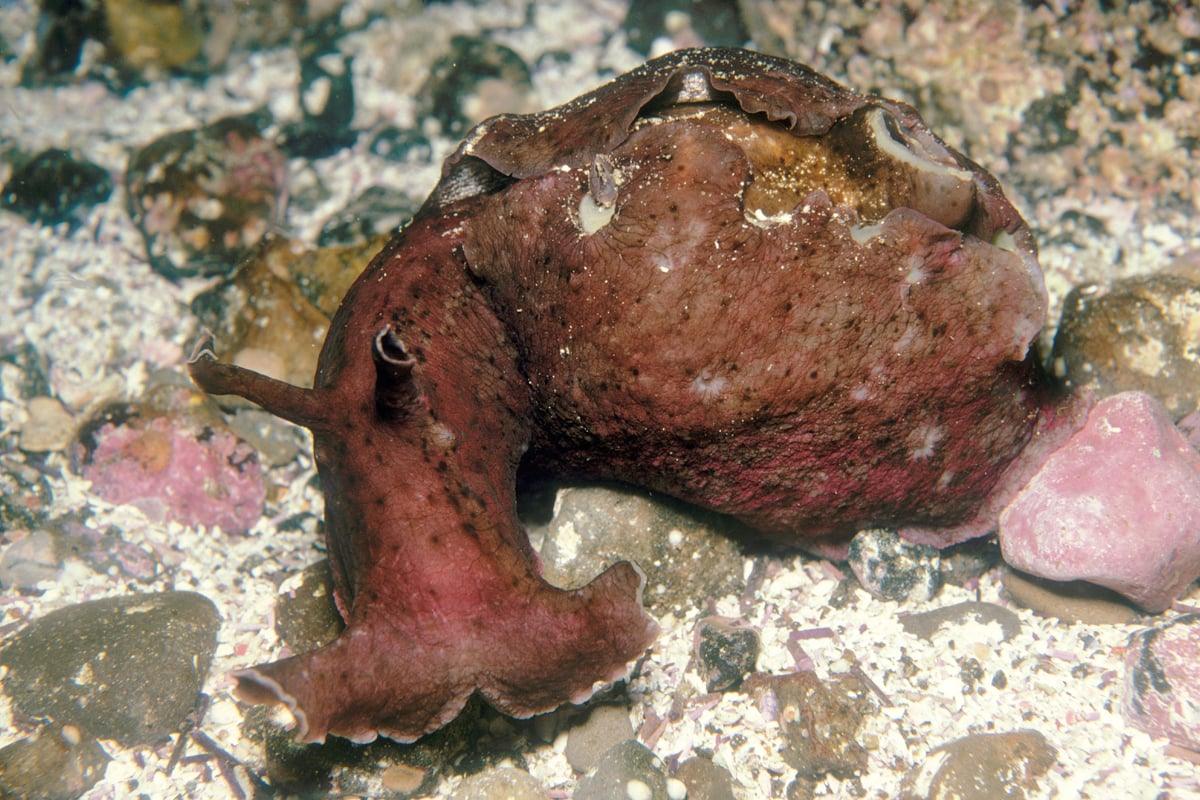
<point x="721" y="276"/>
<point x="1118" y="505"/>
<point x="172" y="473"/>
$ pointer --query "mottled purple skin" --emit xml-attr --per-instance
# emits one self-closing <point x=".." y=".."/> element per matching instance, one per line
<point x="808" y="374"/>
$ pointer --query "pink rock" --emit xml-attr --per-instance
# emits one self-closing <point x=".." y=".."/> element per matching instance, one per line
<point x="210" y="478"/>
<point x="1117" y="505"/>
<point x="1162" y="681"/>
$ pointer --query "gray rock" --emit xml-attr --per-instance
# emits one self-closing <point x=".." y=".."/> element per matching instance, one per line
<point x="628" y="771"/>
<point x="49" y="426"/>
<point x="306" y="617"/>
<point x="726" y="652"/>
<point x="25" y="496"/>
<point x="1138" y="333"/>
<point x="705" y="780"/>
<point x="28" y="561"/>
<point x="687" y="555"/>
<point x="56" y="764"/>
<point x="128" y="668"/>
<point x="1070" y="601"/>
<point x="590" y="738"/>
<point x="982" y="766"/>
<point x="277" y="442"/>
<point x="504" y="783"/>
<point x="892" y="569"/>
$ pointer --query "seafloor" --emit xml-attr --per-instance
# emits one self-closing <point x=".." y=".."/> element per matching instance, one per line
<point x="1089" y="113"/>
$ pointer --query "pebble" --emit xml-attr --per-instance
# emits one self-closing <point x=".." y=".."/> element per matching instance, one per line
<point x="687" y="555"/>
<point x="204" y="198"/>
<point x="820" y="722"/>
<point x="892" y="569"/>
<point x="982" y="766"/>
<point x="726" y="651"/>
<point x="305" y="616"/>
<point x="704" y="780"/>
<point x="505" y="783"/>
<point x="48" y="427"/>
<point x="628" y="771"/>
<point x="477" y="79"/>
<point x="1138" y="334"/>
<point x="28" y="561"/>
<point x="59" y="763"/>
<point x="1069" y="601"/>
<point x="55" y="187"/>
<point x="1162" y="681"/>
<point x="590" y="738"/>
<point x="128" y="668"/>
<point x="1118" y="505"/>
<point x="927" y="623"/>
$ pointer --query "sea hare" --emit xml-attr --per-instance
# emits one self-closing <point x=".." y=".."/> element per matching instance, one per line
<point x="721" y="276"/>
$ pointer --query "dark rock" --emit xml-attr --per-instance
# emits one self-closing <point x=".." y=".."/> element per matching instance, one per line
<point x="595" y="526"/>
<point x="716" y="23"/>
<point x="726" y="652"/>
<point x="893" y="569"/>
<point x="204" y="198"/>
<point x="983" y="766"/>
<point x="29" y="560"/>
<point x="968" y="560"/>
<point x="1070" y="601"/>
<point x="1138" y="334"/>
<point x="475" y="80"/>
<point x="55" y="187"/>
<point x="820" y="722"/>
<point x="327" y="102"/>
<point x="590" y="738"/>
<point x="340" y="767"/>
<point x="628" y="766"/>
<point x="402" y="144"/>
<point x="927" y="623"/>
<point x="378" y="211"/>
<point x="60" y="763"/>
<point x="325" y="274"/>
<point x="705" y="780"/>
<point x="128" y="668"/>
<point x="306" y="617"/>
<point x="1162" y="681"/>
<point x="63" y="28"/>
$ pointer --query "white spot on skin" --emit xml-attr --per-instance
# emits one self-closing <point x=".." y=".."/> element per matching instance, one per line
<point x="860" y="393"/>
<point x="865" y="233"/>
<point x="928" y="436"/>
<point x="709" y="387"/>
<point x="916" y="270"/>
<point x="592" y="216"/>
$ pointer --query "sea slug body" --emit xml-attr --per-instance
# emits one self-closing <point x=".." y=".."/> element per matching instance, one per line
<point x="721" y="276"/>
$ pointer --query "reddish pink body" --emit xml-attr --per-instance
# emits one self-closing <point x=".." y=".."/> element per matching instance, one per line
<point x="721" y="276"/>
